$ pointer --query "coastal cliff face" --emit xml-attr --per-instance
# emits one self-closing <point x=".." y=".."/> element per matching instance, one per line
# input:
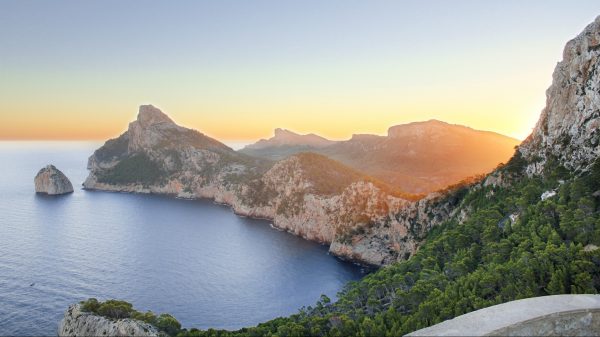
<point x="569" y="126"/>
<point x="78" y="323"/>
<point x="307" y="194"/>
<point x="52" y="181"/>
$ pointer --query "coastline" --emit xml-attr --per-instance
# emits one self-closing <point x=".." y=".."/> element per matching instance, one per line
<point x="272" y="223"/>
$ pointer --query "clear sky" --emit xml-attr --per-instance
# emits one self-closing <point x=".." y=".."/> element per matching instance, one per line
<point x="236" y="70"/>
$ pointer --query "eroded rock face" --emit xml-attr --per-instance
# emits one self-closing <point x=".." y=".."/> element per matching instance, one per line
<point x="52" y="181"/>
<point x="569" y="127"/>
<point x="78" y="323"/>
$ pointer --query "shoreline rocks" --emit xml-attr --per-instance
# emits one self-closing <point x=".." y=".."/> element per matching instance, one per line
<point x="52" y="181"/>
<point x="78" y="323"/>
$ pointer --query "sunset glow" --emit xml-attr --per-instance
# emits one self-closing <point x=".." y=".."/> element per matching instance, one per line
<point x="81" y="70"/>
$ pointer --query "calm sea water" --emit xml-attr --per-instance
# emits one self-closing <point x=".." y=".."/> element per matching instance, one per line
<point x="193" y="259"/>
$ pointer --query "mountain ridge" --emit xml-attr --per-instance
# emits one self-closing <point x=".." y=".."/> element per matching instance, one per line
<point x="411" y="156"/>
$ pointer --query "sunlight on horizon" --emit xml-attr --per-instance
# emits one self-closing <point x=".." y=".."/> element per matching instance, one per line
<point x="308" y="67"/>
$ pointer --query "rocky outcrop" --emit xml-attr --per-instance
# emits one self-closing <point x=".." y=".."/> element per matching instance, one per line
<point x="569" y="127"/>
<point x="78" y="323"/>
<point x="52" y="181"/>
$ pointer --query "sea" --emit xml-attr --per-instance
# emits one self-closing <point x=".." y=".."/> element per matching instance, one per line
<point x="193" y="259"/>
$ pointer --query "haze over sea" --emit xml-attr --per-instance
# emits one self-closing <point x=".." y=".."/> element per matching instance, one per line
<point x="191" y="258"/>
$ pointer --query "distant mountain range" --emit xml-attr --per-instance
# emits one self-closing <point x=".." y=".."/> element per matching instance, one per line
<point x="419" y="157"/>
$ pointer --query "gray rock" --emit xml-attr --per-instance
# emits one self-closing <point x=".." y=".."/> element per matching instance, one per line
<point x="569" y="127"/>
<point x="79" y="323"/>
<point x="52" y="181"/>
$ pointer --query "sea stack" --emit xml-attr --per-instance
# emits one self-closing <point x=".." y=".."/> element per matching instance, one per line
<point x="52" y="181"/>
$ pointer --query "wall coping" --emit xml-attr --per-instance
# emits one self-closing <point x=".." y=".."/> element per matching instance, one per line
<point x="491" y="319"/>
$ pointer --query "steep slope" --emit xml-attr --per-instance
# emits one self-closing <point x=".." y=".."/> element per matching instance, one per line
<point x="419" y="157"/>
<point x="569" y="127"/>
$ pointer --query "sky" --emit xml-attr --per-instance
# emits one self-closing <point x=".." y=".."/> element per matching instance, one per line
<point x="236" y="70"/>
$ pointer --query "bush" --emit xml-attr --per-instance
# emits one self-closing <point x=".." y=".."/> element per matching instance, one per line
<point x="168" y="324"/>
<point x="138" y="168"/>
<point x="91" y="305"/>
<point x="115" y="309"/>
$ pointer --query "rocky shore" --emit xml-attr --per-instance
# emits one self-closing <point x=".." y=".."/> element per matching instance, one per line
<point x="78" y="323"/>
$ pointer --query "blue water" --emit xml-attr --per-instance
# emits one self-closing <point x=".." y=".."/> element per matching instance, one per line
<point x="193" y="259"/>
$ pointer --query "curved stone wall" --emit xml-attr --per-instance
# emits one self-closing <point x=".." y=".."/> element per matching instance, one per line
<point x="559" y="315"/>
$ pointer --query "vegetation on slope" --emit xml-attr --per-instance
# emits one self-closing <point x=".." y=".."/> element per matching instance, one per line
<point x="486" y="260"/>
<point x="115" y="309"/>
<point x="138" y="168"/>
<point x="113" y="148"/>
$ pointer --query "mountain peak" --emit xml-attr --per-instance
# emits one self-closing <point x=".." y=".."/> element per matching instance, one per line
<point x="419" y="128"/>
<point x="289" y="138"/>
<point x="149" y="115"/>
<point x="279" y="132"/>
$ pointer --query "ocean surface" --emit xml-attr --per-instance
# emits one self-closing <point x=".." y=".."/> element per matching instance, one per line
<point x="193" y="259"/>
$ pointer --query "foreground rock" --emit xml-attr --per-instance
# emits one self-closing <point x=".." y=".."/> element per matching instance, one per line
<point x="52" y="181"/>
<point x="79" y="323"/>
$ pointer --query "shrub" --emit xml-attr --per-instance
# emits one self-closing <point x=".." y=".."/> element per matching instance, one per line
<point x="115" y="309"/>
<point x="138" y="168"/>
<point x="168" y="324"/>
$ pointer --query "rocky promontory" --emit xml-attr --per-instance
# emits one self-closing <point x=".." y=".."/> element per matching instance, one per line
<point x="79" y="323"/>
<point x="307" y="194"/>
<point x="52" y="181"/>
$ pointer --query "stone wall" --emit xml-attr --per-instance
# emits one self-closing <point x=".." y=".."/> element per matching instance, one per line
<point x="559" y="315"/>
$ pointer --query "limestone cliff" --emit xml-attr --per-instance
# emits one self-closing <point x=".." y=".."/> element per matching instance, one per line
<point x="52" y="181"/>
<point x="78" y="323"/>
<point x="569" y="126"/>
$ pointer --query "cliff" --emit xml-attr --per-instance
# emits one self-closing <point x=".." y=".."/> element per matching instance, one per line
<point x="569" y="127"/>
<point x="78" y="323"/>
